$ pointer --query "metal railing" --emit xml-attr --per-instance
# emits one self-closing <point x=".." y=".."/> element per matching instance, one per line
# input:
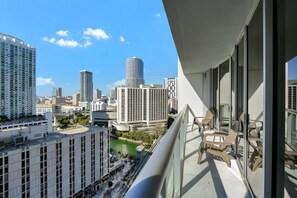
<point x="163" y="173"/>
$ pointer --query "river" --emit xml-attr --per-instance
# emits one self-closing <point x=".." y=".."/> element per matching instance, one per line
<point x="123" y="146"/>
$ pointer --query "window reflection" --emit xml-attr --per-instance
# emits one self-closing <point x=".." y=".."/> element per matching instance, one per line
<point x="224" y="111"/>
<point x="255" y="102"/>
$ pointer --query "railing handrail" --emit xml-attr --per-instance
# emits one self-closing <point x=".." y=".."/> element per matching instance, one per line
<point x="150" y="180"/>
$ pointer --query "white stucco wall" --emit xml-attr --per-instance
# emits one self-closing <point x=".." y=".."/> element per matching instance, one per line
<point x="190" y="91"/>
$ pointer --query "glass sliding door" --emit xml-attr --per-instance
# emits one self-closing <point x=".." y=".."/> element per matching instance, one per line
<point x="224" y="108"/>
<point x="290" y="155"/>
<point x="255" y="98"/>
<point x="239" y="106"/>
<point x="215" y="97"/>
<point x="233" y="93"/>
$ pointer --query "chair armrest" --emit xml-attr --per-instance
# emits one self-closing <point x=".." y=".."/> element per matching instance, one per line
<point x="213" y="135"/>
<point x="255" y="139"/>
<point x="291" y="153"/>
<point x="210" y="142"/>
<point x="216" y="135"/>
<point x="216" y="138"/>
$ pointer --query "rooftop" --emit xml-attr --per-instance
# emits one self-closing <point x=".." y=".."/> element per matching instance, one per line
<point x="10" y="38"/>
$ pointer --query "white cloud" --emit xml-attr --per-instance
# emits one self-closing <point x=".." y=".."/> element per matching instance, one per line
<point x="87" y="41"/>
<point x="62" y="32"/>
<point x="62" y="42"/>
<point x="68" y="43"/>
<point x="122" y="39"/>
<point x="97" y="33"/>
<point x="119" y="83"/>
<point x="50" y="40"/>
<point x="158" y="15"/>
<point x="40" y="81"/>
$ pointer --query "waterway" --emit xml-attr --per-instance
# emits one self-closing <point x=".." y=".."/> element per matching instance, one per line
<point x="123" y="146"/>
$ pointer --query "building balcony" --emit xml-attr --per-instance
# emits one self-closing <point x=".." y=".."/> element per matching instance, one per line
<point x="173" y="171"/>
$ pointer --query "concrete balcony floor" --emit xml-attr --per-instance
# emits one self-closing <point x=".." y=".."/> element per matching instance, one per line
<point x="212" y="178"/>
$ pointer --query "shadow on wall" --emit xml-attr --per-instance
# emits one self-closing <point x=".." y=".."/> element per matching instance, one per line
<point x="202" y="86"/>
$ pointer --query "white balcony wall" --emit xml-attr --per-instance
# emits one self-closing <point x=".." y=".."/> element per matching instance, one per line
<point x="194" y="90"/>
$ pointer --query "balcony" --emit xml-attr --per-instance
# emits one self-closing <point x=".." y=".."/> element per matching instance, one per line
<point x="173" y="171"/>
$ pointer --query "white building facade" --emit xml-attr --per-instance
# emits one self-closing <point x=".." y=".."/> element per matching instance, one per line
<point x="171" y="85"/>
<point x="142" y="105"/>
<point x="75" y="99"/>
<point x="17" y="77"/>
<point x="292" y="97"/>
<point x="98" y="105"/>
<point x="57" y="166"/>
<point x="97" y="94"/>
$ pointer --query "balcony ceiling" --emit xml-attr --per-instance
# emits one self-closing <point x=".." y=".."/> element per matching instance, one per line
<point x="205" y="31"/>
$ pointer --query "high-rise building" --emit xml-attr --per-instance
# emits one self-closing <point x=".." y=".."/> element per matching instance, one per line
<point x="142" y="105"/>
<point x="292" y="97"/>
<point x="75" y="98"/>
<point x="171" y="85"/>
<point x="17" y="77"/>
<point x="57" y="92"/>
<point x="134" y="72"/>
<point x="86" y="86"/>
<point x="97" y="94"/>
<point x="113" y="93"/>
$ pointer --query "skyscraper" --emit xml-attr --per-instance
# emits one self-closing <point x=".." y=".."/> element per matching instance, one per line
<point x="17" y="77"/>
<point x="113" y="93"/>
<point x="57" y="92"/>
<point x="134" y="72"/>
<point x="86" y="86"/>
<point x="171" y="85"/>
<point x="97" y="94"/>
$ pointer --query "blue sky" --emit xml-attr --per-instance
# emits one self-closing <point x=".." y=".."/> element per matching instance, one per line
<point x="292" y="69"/>
<point x="96" y="35"/>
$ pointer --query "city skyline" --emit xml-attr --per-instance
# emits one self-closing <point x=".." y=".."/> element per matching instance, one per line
<point x="99" y="40"/>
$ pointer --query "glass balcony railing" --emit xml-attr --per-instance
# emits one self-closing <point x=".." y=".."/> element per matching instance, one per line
<point x="163" y="173"/>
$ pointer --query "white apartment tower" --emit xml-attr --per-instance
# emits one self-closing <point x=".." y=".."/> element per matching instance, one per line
<point x="58" y="165"/>
<point x="142" y="105"/>
<point x="86" y="86"/>
<point x="75" y="99"/>
<point x="171" y="85"/>
<point x="17" y="77"/>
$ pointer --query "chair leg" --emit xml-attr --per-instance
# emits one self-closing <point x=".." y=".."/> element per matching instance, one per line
<point x="257" y="163"/>
<point x="200" y="154"/>
<point x="222" y="155"/>
<point x="226" y="159"/>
